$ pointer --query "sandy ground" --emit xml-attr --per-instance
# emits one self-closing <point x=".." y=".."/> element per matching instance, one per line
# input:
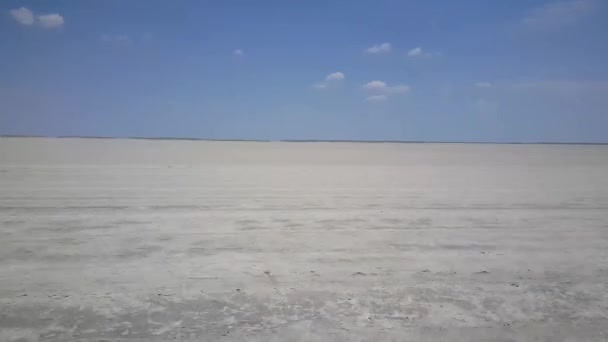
<point x="138" y="240"/>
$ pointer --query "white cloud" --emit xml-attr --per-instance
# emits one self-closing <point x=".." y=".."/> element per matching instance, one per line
<point x="23" y="16"/>
<point x="331" y="78"/>
<point x="26" y="17"/>
<point x="380" y="48"/>
<point x="375" y="85"/>
<point x="419" y="53"/>
<point x="559" y="14"/>
<point x="483" y="84"/>
<point x="415" y="52"/>
<point x="376" y="98"/>
<point x="52" y="20"/>
<point x="336" y="76"/>
<point x="238" y="52"/>
<point x="382" y="87"/>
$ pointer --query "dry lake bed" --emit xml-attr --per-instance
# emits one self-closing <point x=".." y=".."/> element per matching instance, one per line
<point x="162" y="240"/>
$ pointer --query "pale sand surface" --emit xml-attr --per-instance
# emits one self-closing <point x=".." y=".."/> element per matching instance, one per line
<point x="140" y="240"/>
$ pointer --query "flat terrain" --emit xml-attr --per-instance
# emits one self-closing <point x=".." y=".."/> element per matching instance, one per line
<point x="142" y="240"/>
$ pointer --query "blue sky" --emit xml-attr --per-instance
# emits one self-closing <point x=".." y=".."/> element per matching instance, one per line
<point x="366" y="70"/>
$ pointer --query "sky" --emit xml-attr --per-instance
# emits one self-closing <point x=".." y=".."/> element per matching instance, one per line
<point x="469" y="70"/>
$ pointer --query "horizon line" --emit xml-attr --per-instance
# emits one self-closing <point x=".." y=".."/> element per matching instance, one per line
<point x="303" y="140"/>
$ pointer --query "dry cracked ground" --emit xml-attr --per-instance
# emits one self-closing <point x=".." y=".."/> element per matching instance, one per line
<point x="152" y="240"/>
